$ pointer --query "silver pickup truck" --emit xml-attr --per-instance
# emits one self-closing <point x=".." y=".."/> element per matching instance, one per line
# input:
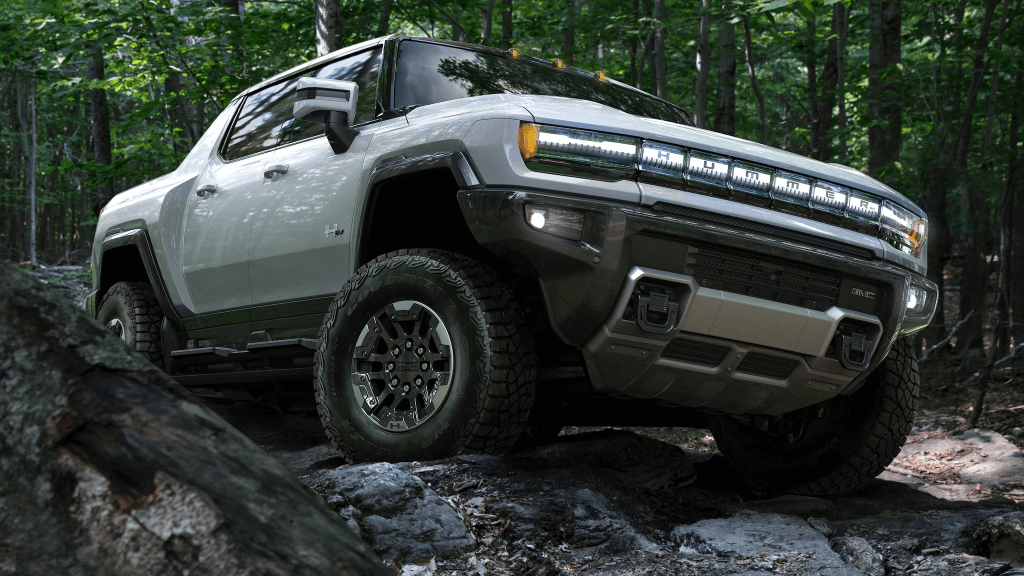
<point x="466" y="249"/>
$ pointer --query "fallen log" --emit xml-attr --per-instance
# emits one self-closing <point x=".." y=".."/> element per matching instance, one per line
<point x="107" y="466"/>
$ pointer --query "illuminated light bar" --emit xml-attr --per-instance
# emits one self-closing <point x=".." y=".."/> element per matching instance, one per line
<point x="791" y="193"/>
<point x="829" y="202"/>
<point x="751" y="183"/>
<point x="708" y="173"/>
<point x="663" y="164"/>
<point x="606" y="156"/>
<point x="578" y="152"/>
<point x="863" y="212"/>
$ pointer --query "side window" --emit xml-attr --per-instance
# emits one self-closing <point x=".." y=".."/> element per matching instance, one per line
<point x="263" y="118"/>
<point x="361" y="68"/>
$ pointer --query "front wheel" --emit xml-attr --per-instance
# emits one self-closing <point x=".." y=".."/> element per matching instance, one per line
<point x="424" y="354"/>
<point x="129" y="310"/>
<point x="833" y="447"/>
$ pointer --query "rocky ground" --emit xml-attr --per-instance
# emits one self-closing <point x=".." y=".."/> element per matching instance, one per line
<point x="619" y="502"/>
<point x="663" y="501"/>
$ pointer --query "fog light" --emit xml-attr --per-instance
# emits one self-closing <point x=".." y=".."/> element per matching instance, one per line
<point x="556" y="221"/>
<point x="917" y="299"/>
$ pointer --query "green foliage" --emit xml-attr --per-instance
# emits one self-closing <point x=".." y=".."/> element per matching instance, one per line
<point x="171" y="66"/>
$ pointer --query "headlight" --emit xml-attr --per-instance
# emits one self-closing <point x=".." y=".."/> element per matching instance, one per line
<point x="578" y="152"/>
<point x="903" y="229"/>
<point x="922" y="299"/>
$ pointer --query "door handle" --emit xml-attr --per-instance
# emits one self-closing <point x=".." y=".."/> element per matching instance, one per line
<point x="274" y="170"/>
<point x="205" y="190"/>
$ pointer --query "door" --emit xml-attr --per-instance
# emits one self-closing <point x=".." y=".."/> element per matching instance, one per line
<point x="219" y="216"/>
<point x="215" y="243"/>
<point x="303" y="224"/>
<point x="304" y="217"/>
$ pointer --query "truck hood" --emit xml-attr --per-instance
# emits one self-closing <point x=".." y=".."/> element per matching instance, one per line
<point x="591" y="115"/>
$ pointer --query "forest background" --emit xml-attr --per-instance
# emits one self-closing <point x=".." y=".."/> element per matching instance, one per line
<point x="97" y="96"/>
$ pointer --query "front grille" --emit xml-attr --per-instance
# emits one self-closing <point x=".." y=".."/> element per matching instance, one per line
<point x="763" y="229"/>
<point x="768" y="366"/>
<point x="694" y="352"/>
<point x="762" y="278"/>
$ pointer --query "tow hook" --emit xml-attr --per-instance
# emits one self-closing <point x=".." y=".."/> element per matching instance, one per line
<point x="657" y="310"/>
<point x="853" y="348"/>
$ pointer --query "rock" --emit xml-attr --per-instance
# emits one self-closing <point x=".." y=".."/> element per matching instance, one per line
<point x="856" y="551"/>
<point x="1017" y="432"/>
<point x="751" y="535"/>
<point x="802" y="506"/>
<point x="643" y="462"/>
<point x="1003" y="537"/>
<point x="823" y="526"/>
<point x="912" y="545"/>
<point x="960" y="565"/>
<point x="107" y="466"/>
<point x="403" y="519"/>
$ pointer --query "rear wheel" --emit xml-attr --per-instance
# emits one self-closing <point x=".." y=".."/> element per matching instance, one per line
<point x="835" y="446"/>
<point x="129" y="310"/>
<point x="423" y="354"/>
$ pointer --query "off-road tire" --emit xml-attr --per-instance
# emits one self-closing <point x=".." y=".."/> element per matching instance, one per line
<point x="861" y="439"/>
<point x="494" y="380"/>
<point x="135" y="305"/>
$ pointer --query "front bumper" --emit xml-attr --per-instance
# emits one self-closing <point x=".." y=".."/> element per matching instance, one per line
<point x="766" y="351"/>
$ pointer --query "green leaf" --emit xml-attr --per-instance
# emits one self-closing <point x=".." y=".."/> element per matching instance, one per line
<point x="776" y="5"/>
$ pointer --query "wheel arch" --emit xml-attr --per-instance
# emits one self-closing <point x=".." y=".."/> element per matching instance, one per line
<point x="129" y="257"/>
<point x="419" y="194"/>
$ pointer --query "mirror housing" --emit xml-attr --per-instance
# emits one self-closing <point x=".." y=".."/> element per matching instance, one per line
<point x="333" y="104"/>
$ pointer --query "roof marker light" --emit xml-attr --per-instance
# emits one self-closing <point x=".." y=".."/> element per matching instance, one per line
<point x="558" y="64"/>
<point x="513" y="52"/>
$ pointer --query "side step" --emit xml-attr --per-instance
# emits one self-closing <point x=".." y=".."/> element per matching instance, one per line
<point x="290" y="359"/>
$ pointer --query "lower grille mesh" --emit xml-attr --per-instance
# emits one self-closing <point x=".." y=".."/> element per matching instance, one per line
<point x="768" y="366"/>
<point x="694" y="352"/>
<point x="762" y="278"/>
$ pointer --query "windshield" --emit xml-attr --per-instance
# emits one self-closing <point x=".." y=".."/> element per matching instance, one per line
<point x="431" y="73"/>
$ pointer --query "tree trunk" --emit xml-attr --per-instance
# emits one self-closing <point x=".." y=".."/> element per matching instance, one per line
<point x="28" y="139"/>
<point x="660" y="67"/>
<point x="384" y="22"/>
<point x="176" y="116"/>
<point x="568" y="46"/>
<point x="884" y="110"/>
<point x="100" y="122"/>
<point x="703" y="55"/>
<point x="328" y="26"/>
<point x="506" y="23"/>
<point x="1015" y="284"/>
<point x="844" y="28"/>
<point x="633" y="48"/>
<point x="110" y="467"/>
<point x="812" y="79"/>
<point x="975" y="269"/>
<point x="486" y="14"/>
<point x="725" y="103"/>
<point x="749" y="53"/>
<point x="829" y="80"/>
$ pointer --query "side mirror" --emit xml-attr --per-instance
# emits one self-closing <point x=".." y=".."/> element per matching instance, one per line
<point x="333" y="104"/>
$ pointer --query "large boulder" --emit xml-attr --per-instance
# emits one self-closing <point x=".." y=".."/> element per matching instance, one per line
<point x="107" y="466"/>
<point x="403" y="519"/>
